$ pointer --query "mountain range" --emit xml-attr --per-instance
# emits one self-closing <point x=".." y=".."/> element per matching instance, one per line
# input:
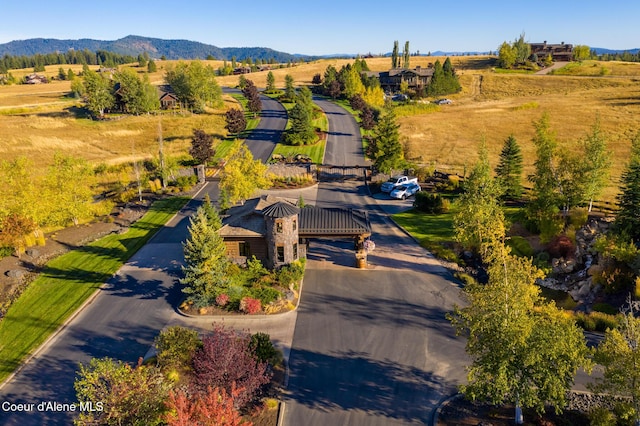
<point x="185" y="49"/>
<point x="134" y="45"/>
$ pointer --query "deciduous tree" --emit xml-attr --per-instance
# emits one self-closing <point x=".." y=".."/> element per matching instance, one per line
<point x="98" y="94"/>
<point x="70" y="181"/>
<point x="241" y="176"/>
<point x="195" y="85"/>
<point x="215" y="407"/>
<point x="129" y="396"/>
<point x="479" y="224"/>
<point x="406" y="56"/>
<point x="236" y="121"/>
<point x="524" y="351"/>
<point x="225" y="360"/>
<point x="619" y="354"/>
<point x="175" y="347"/>
<point x="596" y="163"/>
<point x="395" y="63"/>
<point x="201" y="146"/>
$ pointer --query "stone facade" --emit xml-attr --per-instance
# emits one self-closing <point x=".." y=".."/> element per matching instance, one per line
<point x="282" y="240"/>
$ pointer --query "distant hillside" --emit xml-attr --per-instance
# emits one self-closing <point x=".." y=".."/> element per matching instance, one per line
<point x="134" y="45"/>
<point x="603" y="51"/>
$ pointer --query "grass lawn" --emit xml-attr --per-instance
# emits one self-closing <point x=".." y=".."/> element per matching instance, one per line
<point x="67" y="281"/>
<point x="315" y="151"/>
<point x="433" y="231"/>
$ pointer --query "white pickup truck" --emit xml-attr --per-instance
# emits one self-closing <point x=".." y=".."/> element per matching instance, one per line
<point x="396" y="181"/>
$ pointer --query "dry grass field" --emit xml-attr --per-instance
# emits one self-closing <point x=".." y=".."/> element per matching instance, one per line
<point x="35" y="120"/>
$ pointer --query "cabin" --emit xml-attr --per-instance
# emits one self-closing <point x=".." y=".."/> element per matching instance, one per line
<point x="416" y="79"/>
<point x="35" y="79"/>
<point x="559" y="52"/>
<point x="276" y="231"/>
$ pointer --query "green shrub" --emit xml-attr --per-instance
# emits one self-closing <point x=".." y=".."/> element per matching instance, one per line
<point x="431" y="203"/>
<point x="266" y="295"/>
<point x="263" y="349"/>
<point x="185" y="183"/>
<point x="291" y="274"/>
<point x="550" y="227"/>
<point x="605" y="308"/>
<point x="520" y="246"/>
<point x="578" y="217"/>
<point x="601" y="417"/>
<point x="465" y="278"/>
<point x="596" y="321"/>
<point x="175" y="347"/>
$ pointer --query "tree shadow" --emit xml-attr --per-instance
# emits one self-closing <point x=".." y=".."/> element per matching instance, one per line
<point x="353" y="381"/>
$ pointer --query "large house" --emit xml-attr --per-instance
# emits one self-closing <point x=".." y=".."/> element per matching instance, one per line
<point x="559" y="52"/>
<point x="416" y="78"/>
<point x="276" y="231"/>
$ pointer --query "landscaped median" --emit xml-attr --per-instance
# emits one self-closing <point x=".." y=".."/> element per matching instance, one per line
<point x="66" y="282"/>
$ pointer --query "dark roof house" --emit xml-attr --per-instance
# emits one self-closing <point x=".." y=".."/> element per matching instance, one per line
<point x="416" y="78"/>
<point x="559" y="52"/>
<point x="275" y="230"/>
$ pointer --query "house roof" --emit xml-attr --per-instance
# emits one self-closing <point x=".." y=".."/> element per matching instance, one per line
<point x="280" y="209"/>
<point x="247" y="220"/>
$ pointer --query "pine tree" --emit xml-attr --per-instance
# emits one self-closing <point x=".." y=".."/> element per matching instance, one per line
<point x="509" y="169"/>
<point x="271" y="83"/>
<point x="628" y="216"/>
<point x="389" y="155"/>
<point x="206" y="263"/>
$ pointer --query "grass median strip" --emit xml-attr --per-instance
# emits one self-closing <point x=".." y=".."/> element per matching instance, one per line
<point x="68" y="280"/>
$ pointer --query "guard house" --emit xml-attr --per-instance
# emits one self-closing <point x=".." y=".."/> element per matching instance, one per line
<point x="276" y="231"/>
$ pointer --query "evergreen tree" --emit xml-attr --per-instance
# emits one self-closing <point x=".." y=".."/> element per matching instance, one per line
<point x="302" y="131"/>
<point x="271" y="83"/>
<point x="509" y="169"/>
<point x="389" y="155"/>
<point x="628" y="216"/>
<point x="206" y="262"/>
<point x="437" y="86"/>
<point x="151" y="66"/>
<point x="452" y="84"/>
<point x="289" y="89"/>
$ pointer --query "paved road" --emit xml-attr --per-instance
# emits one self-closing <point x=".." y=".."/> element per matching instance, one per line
<point x="344" y="145"/>
<point x="372" y="347"/>
<point x="273" y="120"/>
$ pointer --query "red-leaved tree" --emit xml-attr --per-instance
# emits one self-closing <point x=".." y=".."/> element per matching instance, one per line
<point x="224" y="361"/>
<point x="213" y="408"/>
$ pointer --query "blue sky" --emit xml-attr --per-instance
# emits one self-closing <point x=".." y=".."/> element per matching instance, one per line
<point x="322" y="27"/>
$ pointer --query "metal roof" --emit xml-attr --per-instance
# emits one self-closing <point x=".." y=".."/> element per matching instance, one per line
<point x="280" y="209"/>
<point x="315" y="221"/>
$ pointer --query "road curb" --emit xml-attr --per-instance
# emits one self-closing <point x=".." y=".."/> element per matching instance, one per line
<point x="441" y="404"/>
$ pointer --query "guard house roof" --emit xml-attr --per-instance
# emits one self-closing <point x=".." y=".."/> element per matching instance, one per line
<point x="321" y="222"/>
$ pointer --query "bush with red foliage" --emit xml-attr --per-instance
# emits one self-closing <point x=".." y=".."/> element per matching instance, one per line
<point x="225" y="360"/>
<point x="222" y="299"/>
<point x="212" y="408"/>
<point x="561" y="246"/>
<point x="250" y="305"/>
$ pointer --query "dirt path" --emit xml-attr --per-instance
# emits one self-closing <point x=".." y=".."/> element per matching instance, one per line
<point x="555" y="66"/>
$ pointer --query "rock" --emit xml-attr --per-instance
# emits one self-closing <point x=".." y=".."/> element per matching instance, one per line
<point x="15" y="273"/>
<point x="32" y="253"/>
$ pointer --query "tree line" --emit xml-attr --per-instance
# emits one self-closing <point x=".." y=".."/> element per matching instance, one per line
<point x="75" y="57"/>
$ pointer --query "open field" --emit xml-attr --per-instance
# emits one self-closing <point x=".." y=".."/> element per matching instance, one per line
<point x="35" y="120"/>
